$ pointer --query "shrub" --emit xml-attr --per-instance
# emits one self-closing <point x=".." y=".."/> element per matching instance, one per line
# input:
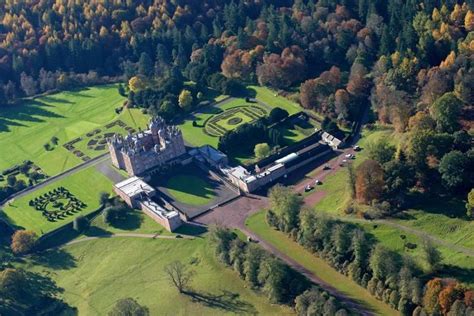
<point x="23" y="241"/>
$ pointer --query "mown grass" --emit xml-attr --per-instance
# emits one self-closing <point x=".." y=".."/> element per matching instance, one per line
<point x="335" y="186"/>
<point x="190" y="189"/>
<point x="95" y="274"/>
<point x="272" y="99"/>
<point x="25" y="128"/>
<point x="85" y="185"/>
<point x="318" y="266"/>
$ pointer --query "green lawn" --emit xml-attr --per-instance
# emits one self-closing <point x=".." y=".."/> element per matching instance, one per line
<point x="24" y="129"/>
<point x="271" y="98"/>
<point x="134" y="222"/>
<point x="85" y="185"/>
<point x="335" y="186"/>
<point x="443" y="218"/>
<point x="190" y="189"/>
<point x="319" y="267"/>
<point x="455" y="264"/>
<point x="94" y="274"/>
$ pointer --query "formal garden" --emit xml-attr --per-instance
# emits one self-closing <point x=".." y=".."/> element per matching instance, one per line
<point x="50" y="207"/>
<point x="19" y="177"/>
<point x="57" y="204"/>
<point x="94" y="142"/>
<point x="232" y="118"/>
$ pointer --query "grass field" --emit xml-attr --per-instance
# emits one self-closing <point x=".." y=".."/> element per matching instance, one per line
<point x="24" y="129"/>
<point x="94" y="274"/>
<point x="319" y="267"/>
<point x="85" y="185"/>
<point x="444" y="218"/>
<point x="335" y="186"/>
<point x="190" y="189"/>
<point x="271" y="98"/>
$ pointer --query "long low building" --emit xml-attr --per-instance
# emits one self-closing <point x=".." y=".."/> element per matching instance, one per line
<point x="140" y="195"/>
<point x="250" y="182"/>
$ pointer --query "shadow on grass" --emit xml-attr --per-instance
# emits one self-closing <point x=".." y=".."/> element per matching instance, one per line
<point x="32" y="111"/>
<point x="131" y="221"/>
<point x="191" y="230"/>
<point x="226" y="301"/>
<point x="465" y="275"/>
<point x="95" y="231"/>
<point x="55" y="259"/>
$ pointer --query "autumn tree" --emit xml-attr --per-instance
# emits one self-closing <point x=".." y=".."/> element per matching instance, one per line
<point x="281" y="71"/>
<point x="185" y="100"/>
<point x="430" y="298"/>
<point x="23" y="241"/>
<point x="369" y="181"/>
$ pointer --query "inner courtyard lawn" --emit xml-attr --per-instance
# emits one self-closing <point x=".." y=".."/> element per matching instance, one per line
<point x="84" y="185"/>
<point x="95" y="274"/>
<point x="190" y="189"/>
<point x="26" y="128"/>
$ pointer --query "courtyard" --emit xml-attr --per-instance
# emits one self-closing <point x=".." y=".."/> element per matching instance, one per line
<point x="192" y="190"/>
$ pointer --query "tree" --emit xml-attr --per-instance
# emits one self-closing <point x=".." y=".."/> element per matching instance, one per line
<point x="430" y="298"/>
<point x="23" y="241"/>
<point x="277" y="114"/>
<point x="285" y="205"/>
<point x="128" y="307"/>
<point x="145" y="65"/>
<point x="381" y="151"/>
<point x="80" y="224"/>
<point x="470" y="204"/>
<point x="104" y="198"/>
<point x="262" y="150"/>
<point x="454" y="170"/>
<point x="432" y="255"/>
<point x="179" y="275"/>
<point x="137" y="83"/>
<point x="445" y="111"/>
<point x="185" y="100"/>
<point x="28" y="84"/>
<point x="369" y="181"/>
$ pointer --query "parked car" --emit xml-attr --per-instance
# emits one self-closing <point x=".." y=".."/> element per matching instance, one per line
<point x="356" y="148"/>
<point x="308" y="188"/>
<point x="326" y="167"/>
<point x="317" y="182"/>
<point x="348" y="155"/>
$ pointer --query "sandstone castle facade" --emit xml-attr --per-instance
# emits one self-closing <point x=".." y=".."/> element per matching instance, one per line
<point x="145" y="150"/>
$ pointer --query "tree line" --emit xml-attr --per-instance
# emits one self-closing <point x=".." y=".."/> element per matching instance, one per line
<point x="263" y="272"/>
<point x="339" y="53"/>
<point x="388" y="276"/>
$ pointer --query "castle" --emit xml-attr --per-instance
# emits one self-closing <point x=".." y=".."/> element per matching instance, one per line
<point x="145" y="150"/>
